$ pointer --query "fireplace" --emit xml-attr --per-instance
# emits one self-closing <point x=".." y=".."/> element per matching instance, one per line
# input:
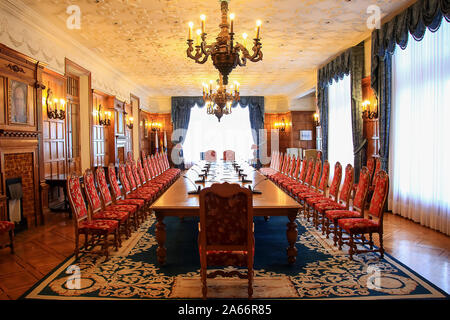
<point x="14" y="196"/>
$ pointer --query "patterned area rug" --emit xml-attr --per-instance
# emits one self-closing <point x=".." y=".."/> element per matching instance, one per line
<point x="320" y="272"/>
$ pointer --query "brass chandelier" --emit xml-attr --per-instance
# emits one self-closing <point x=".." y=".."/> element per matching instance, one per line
<point x="219" y="103"/>
<point x="225" y="54"/>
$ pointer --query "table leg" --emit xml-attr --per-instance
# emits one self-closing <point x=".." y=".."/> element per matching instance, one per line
<point x="66" y="201"/>
<point x="292" y="233"/>
<point x="160" y="238"/>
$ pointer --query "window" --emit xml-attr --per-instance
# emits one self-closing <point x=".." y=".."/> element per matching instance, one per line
<point x="205" y="132"/>
<point x="420" y="131"/>
<point x="340" y="138"/>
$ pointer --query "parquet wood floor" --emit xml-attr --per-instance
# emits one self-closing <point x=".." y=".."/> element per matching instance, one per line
<point x="40" y="249"/>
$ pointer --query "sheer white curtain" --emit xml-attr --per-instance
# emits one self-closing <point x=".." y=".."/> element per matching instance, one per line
<point x="205" y="132"/>
<point x="419" y="158"/>
<point x="340" y="138"/>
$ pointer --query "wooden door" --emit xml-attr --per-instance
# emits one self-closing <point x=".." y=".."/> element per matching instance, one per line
<point x="73" y="124"/>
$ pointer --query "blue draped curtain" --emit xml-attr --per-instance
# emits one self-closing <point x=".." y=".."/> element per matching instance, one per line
<point x="181" y="114"/>
<point x="350" y="62"/>
<point x="415" y="20"/>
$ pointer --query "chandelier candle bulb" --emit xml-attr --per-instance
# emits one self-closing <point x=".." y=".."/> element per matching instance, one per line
<point x="258" y="28"/>
<point x="232" y="22"/>
<point x="191" y="25"/>
<point x="198" y="40"/>
<point x="203" y="18"/>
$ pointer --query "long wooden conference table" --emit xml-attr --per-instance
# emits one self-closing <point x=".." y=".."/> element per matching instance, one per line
<point x="271" y="202"/>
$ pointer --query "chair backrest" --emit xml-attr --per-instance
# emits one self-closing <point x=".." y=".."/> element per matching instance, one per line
<point x="151" y="166"/>
<point x="210" y="155"/>
<point x="291" y="166"/>
<point x="91" y="191"/>
<point x="229" y="155"/>
<point x="302" y="175"/>
<point x="129" y="156"/>
<point x="135" y="172"/>
<point x="362" y="189"/>
<point x="129" y="175"/>
<point x="317" y="171"/>
<point x="297" y="168"/>
<point x="336" y="183"/>
<point x="155" y="165"/>
<point x="279" y="161"/>
<point x="288" y="165"/>
<point x="371" y="166"/>
<point x="127" y="187"/>
<point x="325" y="176"/>
<point x="117" y="193"/>
<point x="309" y="172"/>
<point x="166" y="159"/>
<point x="102" y="184"/>
<point x="226" y="217"/>
<point x="375" y="173"/>
<point x="380" y="193"/>
<point x="141" y="172"/>
<point x="148" y="175"/>
<point x="344" y="195"/>
<point x="76" y="199"/>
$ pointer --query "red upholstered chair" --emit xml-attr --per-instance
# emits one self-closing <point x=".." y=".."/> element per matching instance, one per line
<point x="293" y="176"/>
<point x="130" y="192"/>
<point x="210" y="155"/>
<point x="229" y="155"/>
<point x="315" y="180"/>
<point x="359" y="200"/>
<point x="315" y="191"/>
<point x="226" y="232"/>
<point x="118" y="198"/>
<point x="342" y="203"/>
<point x="121" y="205"/>
<point x="96" y="230"/>
<point x="370" y="225"/>
<point x="307" y="180"/>
<point x="7" y="226"/>
<point x="271" y="167"/>
<point x="120" y="213"/>
<point x="332" y="192"/>
<point x="370" y="166"/>
<point x="300" y="178"/>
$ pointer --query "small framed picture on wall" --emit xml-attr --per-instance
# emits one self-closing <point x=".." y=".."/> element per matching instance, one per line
<point x="19" y="102"/>
<point x="305" y="135"/>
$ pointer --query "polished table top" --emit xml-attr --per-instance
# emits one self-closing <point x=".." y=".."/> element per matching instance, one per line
<point x="177" y="197"/>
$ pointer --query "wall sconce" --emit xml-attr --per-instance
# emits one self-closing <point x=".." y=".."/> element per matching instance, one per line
<point x="281" y="125"/>
<point x="129" y="122"/>
<point x="104" y="118"/>
<point x="367" y="112"/>
<point x="316" y="119"/>
<point x="156" y="126"/>
<point x="55" y="107"/>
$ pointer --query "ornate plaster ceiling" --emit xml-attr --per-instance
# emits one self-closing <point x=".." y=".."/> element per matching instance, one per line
<point x="146" y="39"/>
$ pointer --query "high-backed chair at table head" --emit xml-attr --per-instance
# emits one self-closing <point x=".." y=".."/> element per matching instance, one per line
<point x="229" y="155"/>
<point x="210" y="155"/>
<point x="83" y="222"/>
<point x="226" y="233"/>
<point x="370" y="225"/>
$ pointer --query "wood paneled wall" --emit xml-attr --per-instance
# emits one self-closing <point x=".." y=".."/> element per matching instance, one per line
<point x="290" y="138"/>
<point x="148" y="137"/>
<point x="101" y="134"/>
<point x="53" y="130"/>
<point x="20" y="128"/>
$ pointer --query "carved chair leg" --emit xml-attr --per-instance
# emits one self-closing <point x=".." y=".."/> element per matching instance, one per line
<point x="380" y="234"/>
<point x="351" y="244"/>
<point x="11" y="240"/>
<point x="371" y="241"/>
<point x="105" y="246"/>
<point x="204" y="286"/>
<point x="339" y="233"/>
<point x="250" y="283"/>
<point x="335" y="236"/>
<point x="77" y="250"/>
